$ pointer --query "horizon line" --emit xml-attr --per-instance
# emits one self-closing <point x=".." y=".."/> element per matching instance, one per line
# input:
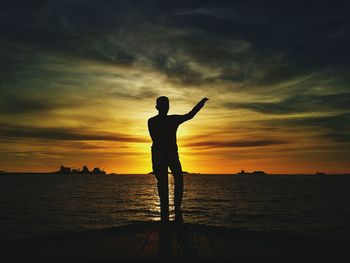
<point x="194" y="173"/>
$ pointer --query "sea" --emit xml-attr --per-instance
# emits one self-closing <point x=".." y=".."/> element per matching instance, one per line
<point x="33" y="205"/>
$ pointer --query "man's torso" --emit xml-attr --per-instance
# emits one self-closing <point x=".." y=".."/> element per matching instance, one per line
<point x="163" y="132"/>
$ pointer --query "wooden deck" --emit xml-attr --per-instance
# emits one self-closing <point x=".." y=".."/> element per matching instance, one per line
<point x="152" y="240"/>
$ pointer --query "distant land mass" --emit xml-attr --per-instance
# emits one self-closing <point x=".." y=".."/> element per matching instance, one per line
<point x="98" y="171"/>
<point x="84" y="170"/>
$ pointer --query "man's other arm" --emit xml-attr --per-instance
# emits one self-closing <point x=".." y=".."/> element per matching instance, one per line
<point x="194" y="111"/>
<point x="150" y="130"/>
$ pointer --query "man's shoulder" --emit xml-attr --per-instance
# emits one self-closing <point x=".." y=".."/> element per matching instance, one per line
<point x="152" y="119"/>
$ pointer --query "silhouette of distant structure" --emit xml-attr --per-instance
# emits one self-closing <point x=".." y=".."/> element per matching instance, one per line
<point x="320" y="173"/>
<point x="85" y="170"/>
<point x="242" y="172"/>
<point x="64" y="170"/>
<point x="97" y="170"/>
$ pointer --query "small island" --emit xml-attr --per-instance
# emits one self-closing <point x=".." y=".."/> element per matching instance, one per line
<point x="242" y="172"/>
<point x="85" y="170"/>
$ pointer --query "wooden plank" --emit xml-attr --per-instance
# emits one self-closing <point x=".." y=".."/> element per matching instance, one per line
<point x="108" y="246"/>
<point x="16" y="251"/>
<point x="120" y="240"/>
<point x="150" y="250"/>
<point x="247" y="238"/>
<point x="40" y="248"/>
<point x="175" y="247"/>
<point x="165" y="242"/>
<point x="115" y="242"/>
<point x="170" y="247"/>
<point x="135" y="245"/>
<point x="188" y="247"/>
<point x="243" y="251"/>
<point x="44" y="249"/>
<point x="299" y="249"/>
<point x="268" y="248"/>
<point x="222" y="246"/>
<point x="63" y="247"/>
<point x="50" y="249"/>
<point x="78" y="247"/>
<point x="204" y="246"/>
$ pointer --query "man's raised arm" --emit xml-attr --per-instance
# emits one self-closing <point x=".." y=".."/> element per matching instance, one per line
<point x="194" y="111"/>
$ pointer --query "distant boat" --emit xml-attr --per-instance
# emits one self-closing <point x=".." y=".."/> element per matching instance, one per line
<point x="242" y="172"/>
<point x="259" y="173"/>
<point x="320" y="173"/>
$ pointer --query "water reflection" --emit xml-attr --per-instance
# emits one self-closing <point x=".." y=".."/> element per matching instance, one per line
<point x="31" y="205"/>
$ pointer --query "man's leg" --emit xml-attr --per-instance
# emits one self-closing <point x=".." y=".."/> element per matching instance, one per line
<point x="175" y="167"/>
<point x="160" y="168"/>
<point x="163" y="192"/>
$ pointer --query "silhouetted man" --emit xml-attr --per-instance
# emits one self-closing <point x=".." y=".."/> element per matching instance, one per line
<point x="162" y="129"/>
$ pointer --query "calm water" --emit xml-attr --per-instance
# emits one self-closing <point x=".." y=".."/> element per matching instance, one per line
<point x="315" y="206"/>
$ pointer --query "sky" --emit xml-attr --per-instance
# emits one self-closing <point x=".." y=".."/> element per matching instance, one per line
<point x="79" y="80"/>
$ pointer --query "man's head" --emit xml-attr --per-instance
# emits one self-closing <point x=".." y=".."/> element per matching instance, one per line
<point x="162" y="105"/>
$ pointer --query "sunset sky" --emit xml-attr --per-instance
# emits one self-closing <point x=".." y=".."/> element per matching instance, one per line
<point x="79" y="80"/>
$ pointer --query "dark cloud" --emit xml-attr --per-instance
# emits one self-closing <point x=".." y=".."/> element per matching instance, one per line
<point x="144" y="93"/>
<point x="335" y="127"/>
<point x="175" y="68"/>
<point x="308" y="37"/>
<point x="11" y="104"/>
<point x="67" y="134"/>
<point x="233" y="144"/>
<point x="299" y="103"/>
